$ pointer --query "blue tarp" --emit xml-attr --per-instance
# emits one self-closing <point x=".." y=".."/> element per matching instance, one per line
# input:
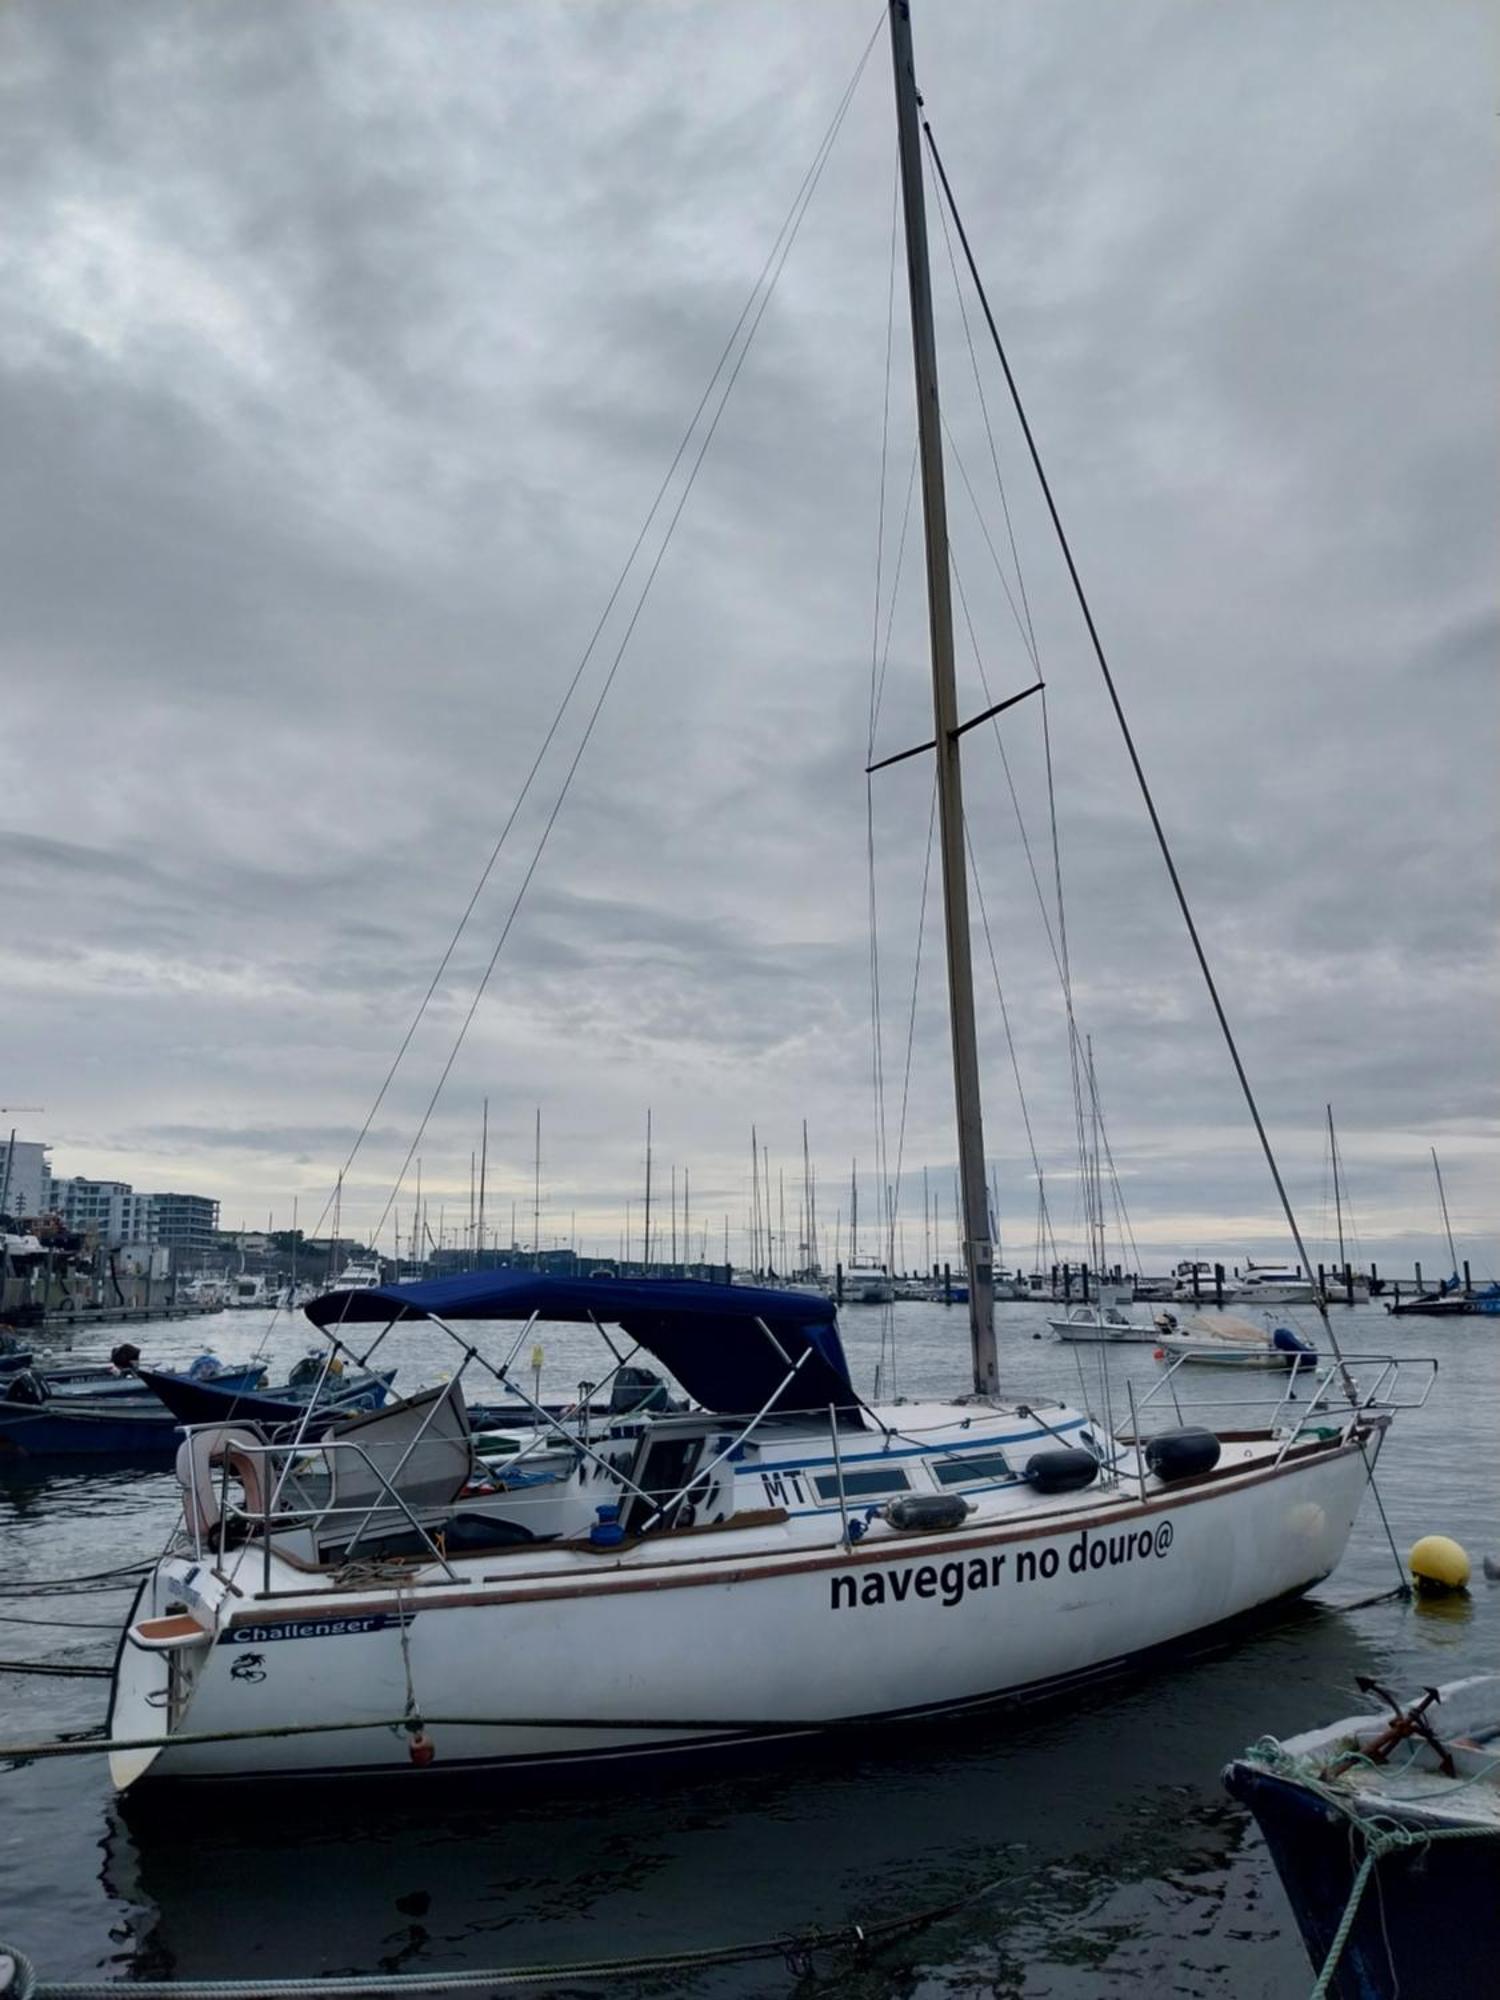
<point x="707" y="1335"/>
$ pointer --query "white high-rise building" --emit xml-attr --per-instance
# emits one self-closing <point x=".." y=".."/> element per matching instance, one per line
<point x="110" y="1210"/>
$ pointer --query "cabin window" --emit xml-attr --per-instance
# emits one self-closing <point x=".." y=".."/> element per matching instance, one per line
<point x="862" y="1485"/>
<point x="973" y="1467"/>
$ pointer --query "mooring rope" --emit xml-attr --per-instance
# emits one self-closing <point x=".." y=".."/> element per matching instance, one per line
<point x="667" y="1725"/>
<point x="795" y="1949"/>
<point x="57" y="1669"/>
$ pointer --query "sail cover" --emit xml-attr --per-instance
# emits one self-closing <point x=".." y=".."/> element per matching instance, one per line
<point x="728" y="1345"/>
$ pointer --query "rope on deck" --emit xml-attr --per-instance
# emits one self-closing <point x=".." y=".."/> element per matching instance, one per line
<point x="1379" y="1834"/>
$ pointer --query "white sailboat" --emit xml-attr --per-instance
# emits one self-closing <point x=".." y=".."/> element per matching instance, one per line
<point x="778" y="1557"/>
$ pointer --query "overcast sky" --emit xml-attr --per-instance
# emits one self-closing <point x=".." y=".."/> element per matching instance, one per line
<point x="342" y="352"/>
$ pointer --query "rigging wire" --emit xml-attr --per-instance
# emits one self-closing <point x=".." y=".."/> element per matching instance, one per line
<point x="1139" y="769"/>
<point x="1063" y="975"/>
<point x="765" y="286"/>
<point x="765" y="282"/>
<point x="1122" y="1214"/>
<point x="1010" y="1043"/>
<point x="916" y="974"/>
<point x="1022" y="617"/>
<point x="1093" y="1221"/>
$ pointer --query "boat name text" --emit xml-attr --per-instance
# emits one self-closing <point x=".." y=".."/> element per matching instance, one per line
<point x="950" y="1583"/>
<point x="313" y="1628"/>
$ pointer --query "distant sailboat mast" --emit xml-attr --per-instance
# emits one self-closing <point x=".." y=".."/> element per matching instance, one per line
<point x="977" y="1250"/>
<point x="1338" y="1202"/>
<point x="1447" y="1225"/>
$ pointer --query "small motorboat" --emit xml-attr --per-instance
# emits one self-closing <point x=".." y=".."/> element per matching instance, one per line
<point x="146" y="1420"/>
<point x="1109" y="1319"/>
<point x="119" y="1376"/>
<point x="206" y="1402"/>
<point x="1385" y="1831"/>
<point x="1227" y="1342"/>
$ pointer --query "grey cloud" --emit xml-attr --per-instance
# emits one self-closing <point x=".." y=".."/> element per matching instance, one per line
<point x="340" y="351"/>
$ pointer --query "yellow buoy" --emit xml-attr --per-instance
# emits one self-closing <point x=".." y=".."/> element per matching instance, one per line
<point x="1437" y="1563"/>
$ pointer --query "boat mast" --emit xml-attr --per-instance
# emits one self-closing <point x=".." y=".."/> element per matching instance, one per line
<point x="536" y="1190"/>
<point x="978" y="1253"/>
<point x="1338" y="1205"/>
<point x="484" y="1168"/>
<point x="1443" y="1199"/>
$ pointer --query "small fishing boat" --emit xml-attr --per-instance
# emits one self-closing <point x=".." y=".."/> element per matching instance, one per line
<point x="1109" y="1319"/>
<point x="198" y="1402"/>
<point x="1228" y="1342"/>
<point x="1385" y="1831"/>
<point x="72" y="1427"/>
<point x="142" y="1425"/>
<point x="107" y="1380"/>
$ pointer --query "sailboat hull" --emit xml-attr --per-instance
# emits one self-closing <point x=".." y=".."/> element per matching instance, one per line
<point x="616" y="1663"/>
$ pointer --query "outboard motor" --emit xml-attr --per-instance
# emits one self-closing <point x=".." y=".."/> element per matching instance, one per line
<point x="27" y="1387"/>
<point x="124" y="1357"/>
<point x="1285" y="1341"/>
<point x="1184" y="1454"/>
<point x="637" y="1389"/>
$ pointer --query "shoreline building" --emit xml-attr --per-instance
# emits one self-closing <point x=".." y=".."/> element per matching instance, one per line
<point x="25" y="1177"/>
<point x="112" y="1212"/>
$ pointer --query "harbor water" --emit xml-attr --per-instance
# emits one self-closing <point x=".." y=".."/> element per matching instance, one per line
<point x="1110" y="1859"/>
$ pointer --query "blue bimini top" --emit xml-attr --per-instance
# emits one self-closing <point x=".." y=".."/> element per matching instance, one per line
<point x="728" y="1345"/>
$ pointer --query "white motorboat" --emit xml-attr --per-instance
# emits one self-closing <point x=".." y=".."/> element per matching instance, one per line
<point x="867" y="1283"/>
<point x="1226" y="1341"/>
<point x="1276" y="1285"/>
<point x="1196" y="1280"/>
<point x="252" y="1291"/>
<point x="778" y="1558"/>
<point x="359" y="1273"/>
<point x="1109" y="1319"/>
